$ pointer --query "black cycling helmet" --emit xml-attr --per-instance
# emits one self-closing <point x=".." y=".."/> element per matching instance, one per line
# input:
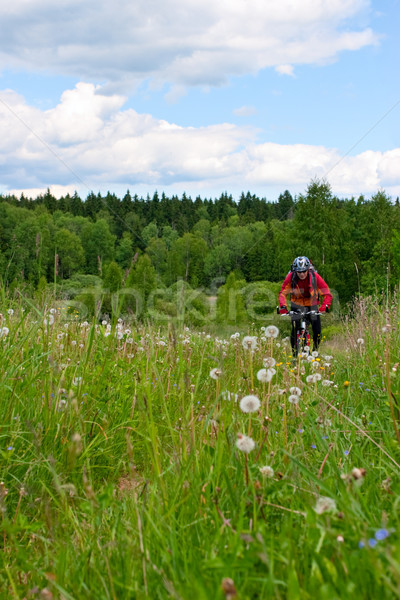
<point x="301" y="264"/>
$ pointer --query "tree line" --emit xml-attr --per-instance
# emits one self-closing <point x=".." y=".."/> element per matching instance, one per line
<point x="155" y="241"/>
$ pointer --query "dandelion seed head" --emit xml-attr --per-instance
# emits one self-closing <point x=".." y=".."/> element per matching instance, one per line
<point x="264" y="375"/>
<point x="249" y="404"/>
<point x="249" y="342"/>
<point x="267" y="471"/>
<point x="294" y="399"/>
<point x="295" y="390"/>
<point x="245" y="443"/>
<point x="325" y="504"/>
<point x="271" y="331"/>
<point x="269" y="362"/>
<point x="215" y="373"/>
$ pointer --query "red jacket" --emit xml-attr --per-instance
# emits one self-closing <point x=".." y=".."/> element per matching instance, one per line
<point x="304" y="293"/>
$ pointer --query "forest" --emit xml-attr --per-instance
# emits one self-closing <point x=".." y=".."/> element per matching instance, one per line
<point x="154" y="242"/>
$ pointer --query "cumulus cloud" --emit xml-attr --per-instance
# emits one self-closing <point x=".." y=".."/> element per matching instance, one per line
<point x="90" y="142"/>
<point x="184" y="42"/>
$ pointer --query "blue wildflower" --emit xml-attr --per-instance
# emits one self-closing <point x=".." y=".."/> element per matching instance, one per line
<point x="372" y="542"/>
<point x="381" y="534"/>
<point x="361" y="544"/>
<point x="313" y="446"/>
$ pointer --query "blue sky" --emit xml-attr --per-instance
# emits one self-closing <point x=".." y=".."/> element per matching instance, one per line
<point x="201" y="97"/>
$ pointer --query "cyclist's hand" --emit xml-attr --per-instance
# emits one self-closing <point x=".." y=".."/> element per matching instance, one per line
<point x="322" y="309"/>
<point x="283" y="310"/>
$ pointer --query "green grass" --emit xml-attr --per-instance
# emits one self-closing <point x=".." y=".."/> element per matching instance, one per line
<point x="121" y="477"/>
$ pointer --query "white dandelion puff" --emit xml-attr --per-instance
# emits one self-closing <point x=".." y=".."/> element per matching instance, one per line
<point x="313" y="378"/>
<point x="265" y="375"/>
<point x="295" y="391"/>
<point x="269" y="361"/>
<point x="325" y="504"/>
<point x="249" y="342"/>
<point x="4" y="332"/>
<point x="360" y="341"/>
<point x="249" y="404"/>
<point x="294" y="399"/>
<point x="245" y="443"/>
<point x="10" y="312"/>
<point x="215" y="373"/>
<point x="267" y="471"/>
<point x="271" y="331"/>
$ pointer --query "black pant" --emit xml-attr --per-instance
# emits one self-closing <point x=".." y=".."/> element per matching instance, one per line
<point x="315" y="321"/>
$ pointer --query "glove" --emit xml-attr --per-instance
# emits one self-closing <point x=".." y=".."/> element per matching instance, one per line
<point x="283" y="310"/>
<point x="322" y="309"/>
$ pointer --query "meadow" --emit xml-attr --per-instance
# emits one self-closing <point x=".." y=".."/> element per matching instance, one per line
<point x="147" y="462"/>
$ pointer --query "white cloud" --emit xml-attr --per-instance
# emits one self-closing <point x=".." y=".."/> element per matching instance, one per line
<point x="183" y="42"/>
<point x="245" y="111"/>
<point x="285" y="70"/>
<point x="90" y="142"/>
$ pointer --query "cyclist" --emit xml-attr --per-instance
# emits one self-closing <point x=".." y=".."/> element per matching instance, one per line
<point x="306" y="289"/>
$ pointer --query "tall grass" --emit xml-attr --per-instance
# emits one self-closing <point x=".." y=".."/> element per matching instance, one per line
<point x="122" y="478"/>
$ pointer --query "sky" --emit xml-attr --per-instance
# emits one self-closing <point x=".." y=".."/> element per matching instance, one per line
<point x="199" y="97"/>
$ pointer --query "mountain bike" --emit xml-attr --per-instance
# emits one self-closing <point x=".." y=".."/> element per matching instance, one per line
<point x="303" y="335"/>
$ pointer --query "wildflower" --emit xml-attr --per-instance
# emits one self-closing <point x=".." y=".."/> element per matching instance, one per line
<point x="265" y="375"/>
<point x="244" y="443"/>
<point x="215" y="373"/>
<point x="381" y="534"/>
<point x="346" y="383"/>
<point x="295" y="390"/>
<point x="325" y="504"/>
<point x="249" y="342"/>
<point x="267" y="471"/>
<point x="360" y="341"/>
<point x="249" y="404"/>
<point x="4" y="332"/>
<point x="340" y="539"/>
<point x="313" y="378"/>
<point x="10" y="312"/>
<point x="314" y="354"/>
<point x="326" y="382"/>
<point x="271" y="331"/>
<point x="372" y="542"/>
<point x="269" y="362"/>
<point x="358" y="474"/>
<point x="228" y="587"/>
<point x="294" y="399"/>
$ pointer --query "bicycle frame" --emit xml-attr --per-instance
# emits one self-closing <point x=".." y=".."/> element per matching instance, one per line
<point x="303" y="335"/>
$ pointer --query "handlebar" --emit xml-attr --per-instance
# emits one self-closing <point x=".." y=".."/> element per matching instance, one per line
<point x="300" y="314"/>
